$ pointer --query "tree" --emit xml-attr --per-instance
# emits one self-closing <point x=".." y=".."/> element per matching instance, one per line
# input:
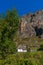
<point x="8" y="27"/>
<point x="13" y="21"/>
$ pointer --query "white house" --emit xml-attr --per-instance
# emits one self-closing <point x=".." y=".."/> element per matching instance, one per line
<point x="21" y="48"/>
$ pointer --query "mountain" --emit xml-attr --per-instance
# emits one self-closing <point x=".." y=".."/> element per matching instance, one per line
<point x="32" y="25"/>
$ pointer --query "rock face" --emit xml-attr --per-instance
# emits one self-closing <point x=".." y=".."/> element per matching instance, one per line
<point x="32" y="25"/>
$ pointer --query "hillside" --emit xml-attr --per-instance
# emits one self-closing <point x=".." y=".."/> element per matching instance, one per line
<point x="31" y="30"/>
<point x="25" y="33"/>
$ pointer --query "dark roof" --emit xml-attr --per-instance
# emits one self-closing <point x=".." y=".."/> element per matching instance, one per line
<point x="22" y="47"/>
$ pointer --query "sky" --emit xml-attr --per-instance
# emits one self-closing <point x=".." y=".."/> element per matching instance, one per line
<point x="22" y="6"/>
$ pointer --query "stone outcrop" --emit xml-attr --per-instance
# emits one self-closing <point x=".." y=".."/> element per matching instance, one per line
<point x="32" y="25"/>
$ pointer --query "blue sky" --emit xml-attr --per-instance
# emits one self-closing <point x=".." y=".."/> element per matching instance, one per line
<point x="22" y="6"/>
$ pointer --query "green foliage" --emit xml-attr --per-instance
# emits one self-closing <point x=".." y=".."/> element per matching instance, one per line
<point x="41" y="48"/>
<point x="8" y="27"/>
<point x="13" y="20"/>
<point x="29" y="58"/>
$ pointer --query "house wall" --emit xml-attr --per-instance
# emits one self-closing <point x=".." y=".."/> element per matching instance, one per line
<point x="21" y="50"/>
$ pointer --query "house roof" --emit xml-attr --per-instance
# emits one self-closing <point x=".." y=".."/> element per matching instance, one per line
<point x="22" y="47"/>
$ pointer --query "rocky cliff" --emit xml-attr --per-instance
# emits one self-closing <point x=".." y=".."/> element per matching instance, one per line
<point x="32" y="25"/>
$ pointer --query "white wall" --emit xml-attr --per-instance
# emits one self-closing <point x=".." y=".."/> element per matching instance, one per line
<point x="21" y="50"/>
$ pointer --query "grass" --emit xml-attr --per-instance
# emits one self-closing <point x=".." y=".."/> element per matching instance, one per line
<point x="35" y="58"/>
